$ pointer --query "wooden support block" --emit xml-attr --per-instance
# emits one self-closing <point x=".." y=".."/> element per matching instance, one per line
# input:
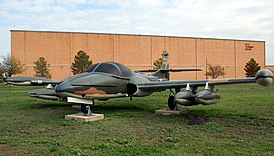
<point x="84" y="118"/>
<point x="167" y="111"/>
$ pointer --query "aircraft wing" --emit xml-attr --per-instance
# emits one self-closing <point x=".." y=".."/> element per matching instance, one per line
<point x="263" y="77"/>
<point x="29" y="81"/>
<point x="162" y="85"/>
<point x="170" y="70"/>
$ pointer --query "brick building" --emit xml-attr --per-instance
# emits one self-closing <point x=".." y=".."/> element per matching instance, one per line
<point x="135" y="51"/>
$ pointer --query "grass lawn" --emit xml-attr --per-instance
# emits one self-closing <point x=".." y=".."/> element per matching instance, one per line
<point x="242" y="123"/>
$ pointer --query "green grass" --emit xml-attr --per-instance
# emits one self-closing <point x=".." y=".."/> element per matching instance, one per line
<point x="240" y="124"/>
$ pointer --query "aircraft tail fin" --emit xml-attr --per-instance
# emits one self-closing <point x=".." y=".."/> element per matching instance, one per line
<point x="165" y="63"/>
<point x="164" y="71"/>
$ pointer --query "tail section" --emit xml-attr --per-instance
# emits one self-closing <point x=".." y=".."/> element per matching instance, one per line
<point x="163" y="72"/>
<point x="165" y="63"/>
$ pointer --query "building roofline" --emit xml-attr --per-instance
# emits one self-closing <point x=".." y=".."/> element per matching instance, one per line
<point x="47" y="31"/>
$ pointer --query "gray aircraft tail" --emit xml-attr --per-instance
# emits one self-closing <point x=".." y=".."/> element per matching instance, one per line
<point x="164" y="71"/>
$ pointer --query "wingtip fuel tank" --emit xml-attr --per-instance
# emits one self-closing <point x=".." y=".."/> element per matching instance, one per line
<point x="264" y="77"/>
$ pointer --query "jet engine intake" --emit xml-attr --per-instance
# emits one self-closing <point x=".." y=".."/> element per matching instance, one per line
<point x="132" y="86"/>
<point x="133" y="90"/>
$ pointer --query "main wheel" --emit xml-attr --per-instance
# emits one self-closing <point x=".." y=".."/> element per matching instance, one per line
<point x="84" y="108"/>
<point x="171" y="103"/>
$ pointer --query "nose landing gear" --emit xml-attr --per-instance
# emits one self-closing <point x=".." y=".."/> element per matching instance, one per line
<point x="86" y="109"/>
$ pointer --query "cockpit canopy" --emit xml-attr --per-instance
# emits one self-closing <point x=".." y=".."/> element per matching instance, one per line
<point x="111" y="68"/>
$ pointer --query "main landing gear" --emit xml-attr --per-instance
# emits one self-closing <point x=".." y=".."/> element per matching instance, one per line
<point x="172" y="105"/>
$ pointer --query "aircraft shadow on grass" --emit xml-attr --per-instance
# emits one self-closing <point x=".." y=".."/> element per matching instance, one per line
<point x="51" y="105"/>
<point x="195" y="116"/>
<point x="101" y="108"/>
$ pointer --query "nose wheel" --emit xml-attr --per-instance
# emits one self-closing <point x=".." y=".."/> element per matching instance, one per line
<point x="86" y="109"/>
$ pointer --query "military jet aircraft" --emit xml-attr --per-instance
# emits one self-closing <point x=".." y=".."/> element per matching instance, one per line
<point x="106" y="80"/>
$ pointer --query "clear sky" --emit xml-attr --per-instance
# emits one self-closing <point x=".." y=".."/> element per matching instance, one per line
<point x="233" y="19"/>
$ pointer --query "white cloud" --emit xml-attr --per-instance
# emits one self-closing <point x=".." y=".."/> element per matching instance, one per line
<point x="238" y="19"/>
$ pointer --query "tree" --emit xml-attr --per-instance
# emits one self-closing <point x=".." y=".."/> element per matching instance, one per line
<point x="1" y="72"/>
<point x="41" y="68"/>
<point x="251" y="68"/>
<point x="11" y="65"/>
<point x="157" y="63"/>
<point x="81" y="62"/>
<point x="1" y="68"/>
<point x="215" y="71"/>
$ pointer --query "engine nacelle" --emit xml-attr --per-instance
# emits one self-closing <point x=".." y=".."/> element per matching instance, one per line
<point x="186" y="98"/>
<point x="264" y="77"/>
<point x="207" y="97"/>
